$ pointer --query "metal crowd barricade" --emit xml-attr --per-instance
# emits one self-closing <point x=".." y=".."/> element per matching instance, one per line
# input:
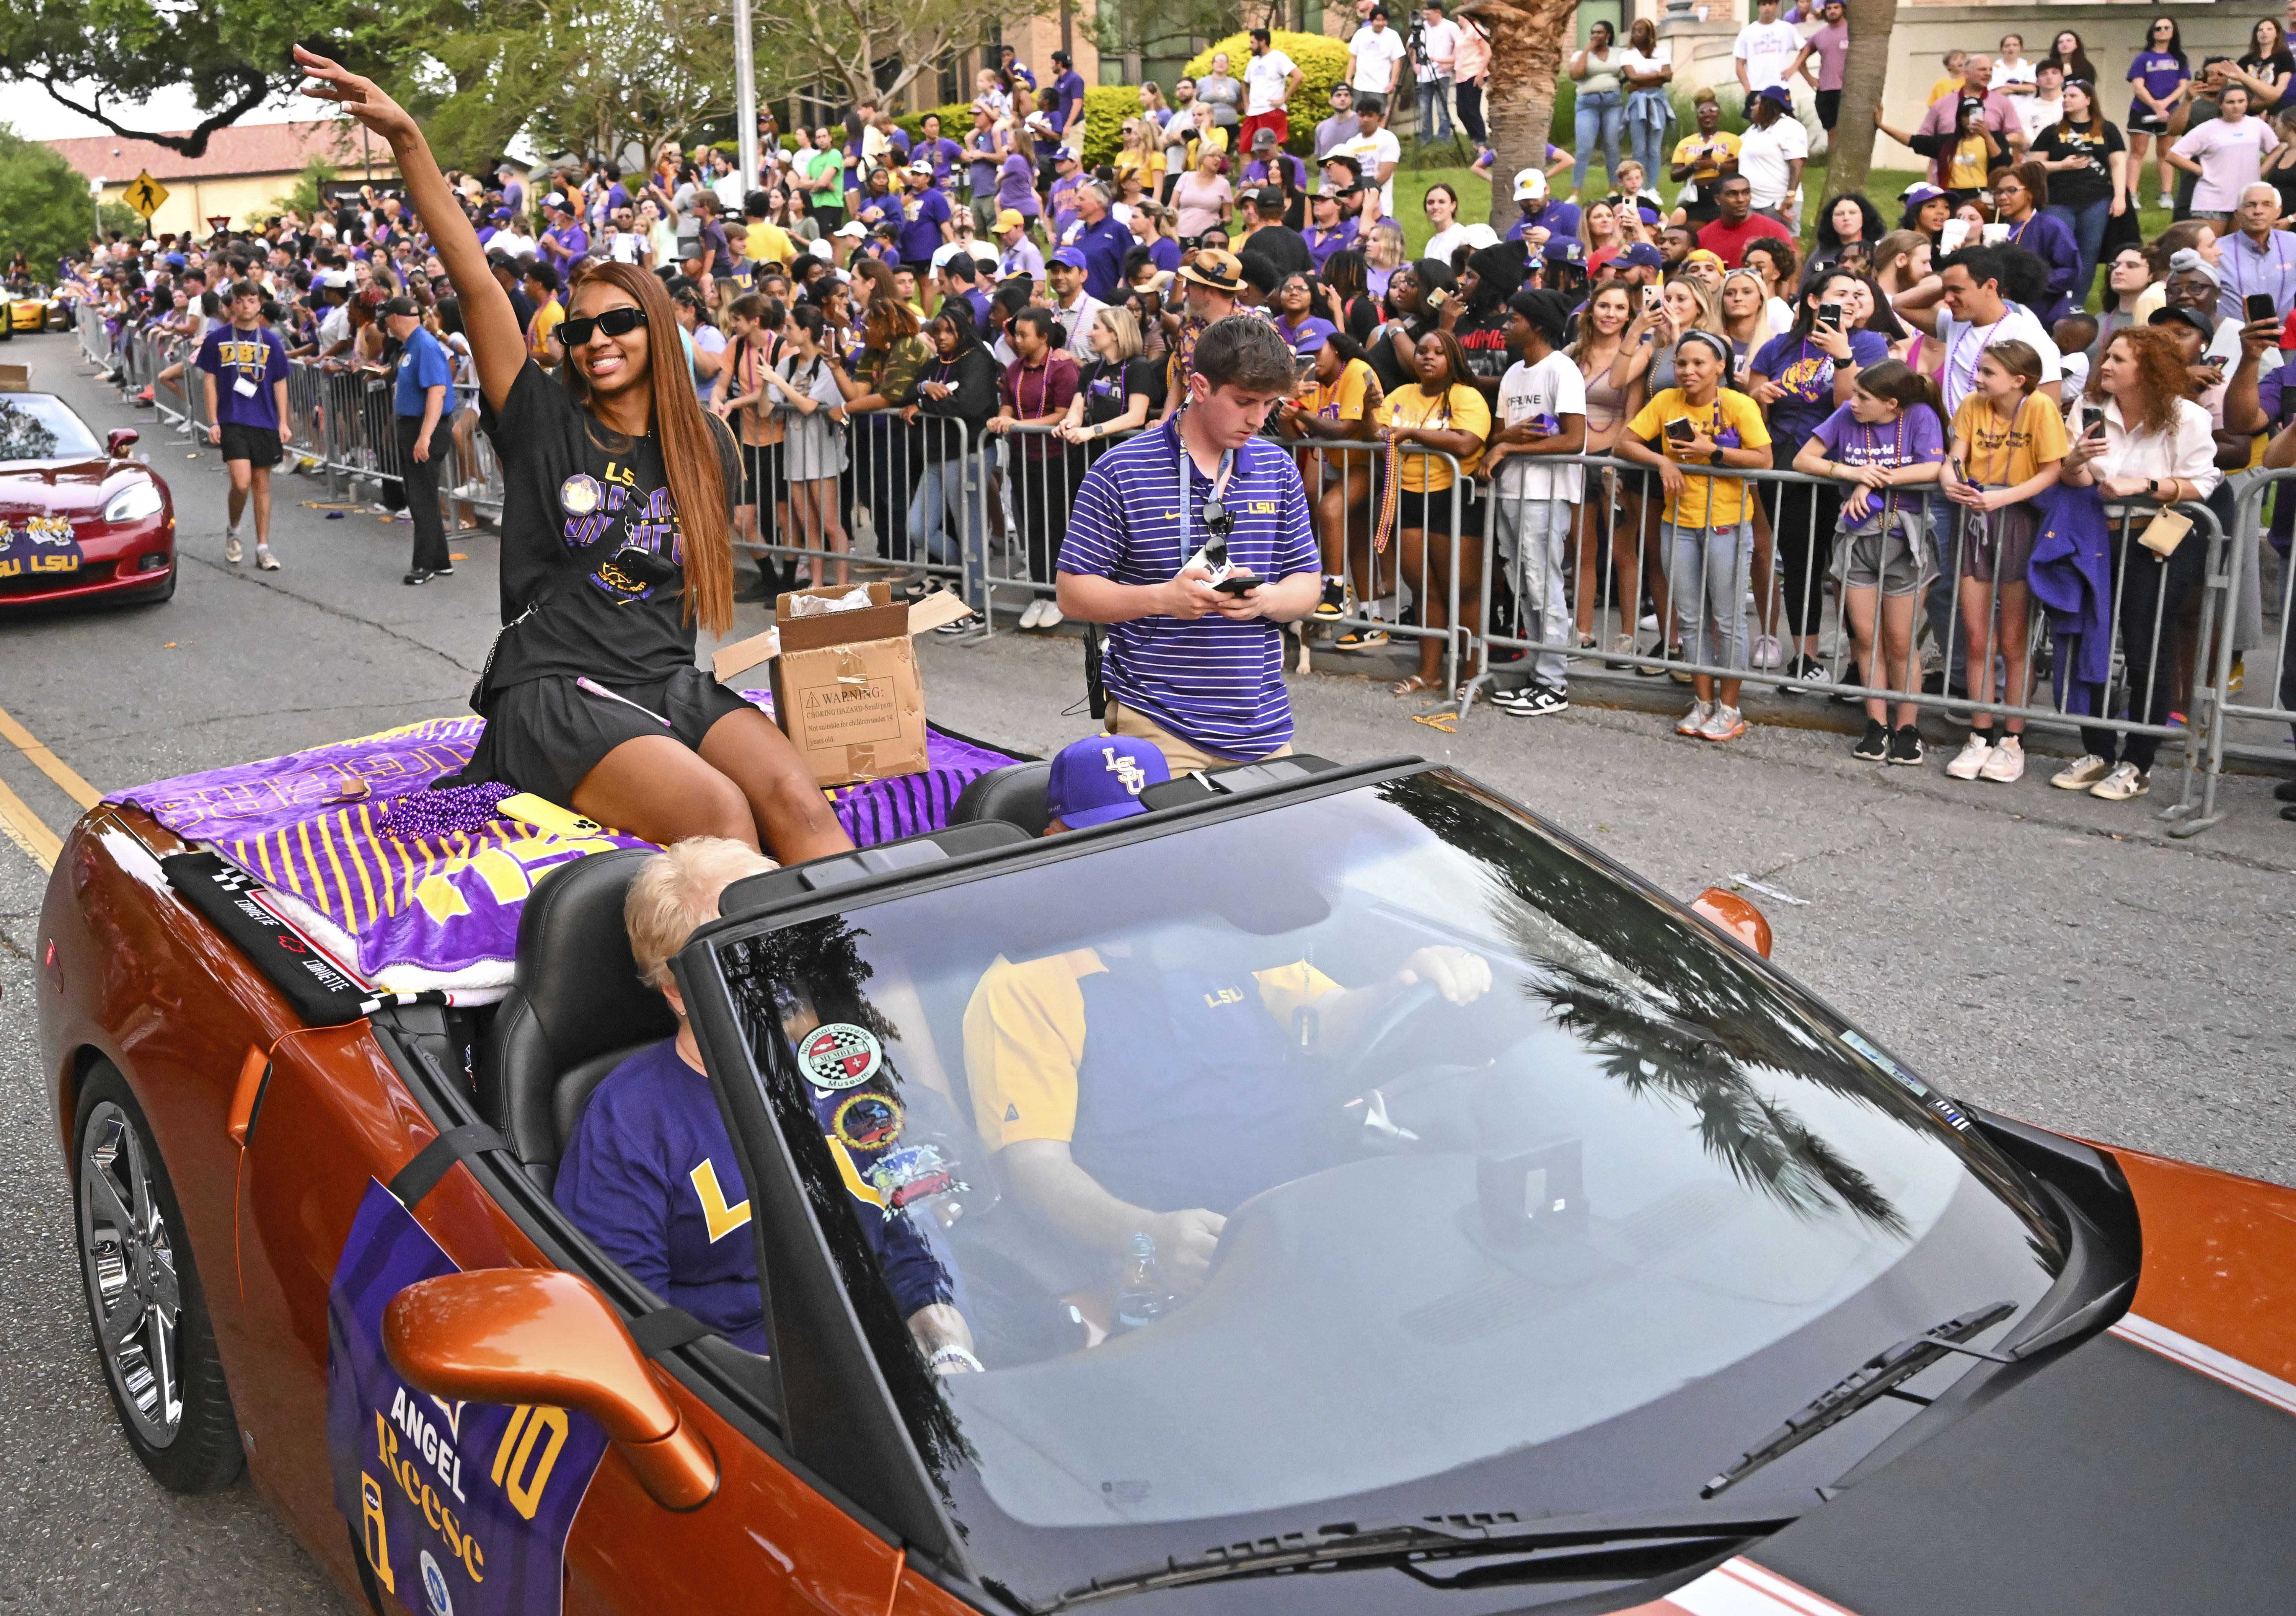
<point x="1029" y="477"/>
<point x="94" y="342"/>
<point x="1608" y="540"/>
<point x="1386" y="596"/>
<point x="2237" y="630"/>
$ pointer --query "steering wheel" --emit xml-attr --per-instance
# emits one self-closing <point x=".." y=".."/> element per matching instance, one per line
<point x="1382" y="1026"/>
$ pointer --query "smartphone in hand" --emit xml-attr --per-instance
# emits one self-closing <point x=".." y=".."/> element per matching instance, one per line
<point x="1680" y="430"/>
<point x="1238" y="582"/>
<point x="2259" y="306"/>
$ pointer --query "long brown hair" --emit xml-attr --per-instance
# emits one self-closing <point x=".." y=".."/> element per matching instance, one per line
<point x="2161" y="378"/>
<point x="689" y="448"/>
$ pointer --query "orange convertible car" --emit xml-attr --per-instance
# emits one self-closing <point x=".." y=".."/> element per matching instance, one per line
<point x="1360" y="1197"/>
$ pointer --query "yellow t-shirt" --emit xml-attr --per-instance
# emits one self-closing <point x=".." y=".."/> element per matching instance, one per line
<point x="2002" y="453"/>
<point x="1347" y="399"/>
<point x="769" y="242"/>
<point x="546" y="320"/>
<point x="1459" y="409"/>
<point x="1943" y="87"/>
<point x="1970" y="164"/>
<point x="1150" y="168"/>
<point x="1699" y="152"/>
<point x="1726" y="495"/>
<point x="1024" y="1032"/>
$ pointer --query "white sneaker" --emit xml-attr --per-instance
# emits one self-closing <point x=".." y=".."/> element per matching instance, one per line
<point x="1032" y="613"/>
<point x="2122" y="783"/>
<point x="1723" y="724"/>
<point x="1649" y="622"/>
<point x="2080" y="774"/>
<point x="2006" y="763"/>
<point x="1766" y="654"/>
<point x="1694" y="720"/>
<point x="1971" y="762"/>
<point x="1048" y="614"/>
<point x="232" y="553"/>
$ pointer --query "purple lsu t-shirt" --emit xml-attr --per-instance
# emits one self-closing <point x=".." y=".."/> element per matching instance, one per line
<point x="1016" y="186"/>
<point x="1916" y="437"/>
<point x="2161" y="76"/>
<point x="255" y="358"/>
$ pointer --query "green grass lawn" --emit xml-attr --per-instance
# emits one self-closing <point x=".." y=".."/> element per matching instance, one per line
<point x="1881" y="188"/>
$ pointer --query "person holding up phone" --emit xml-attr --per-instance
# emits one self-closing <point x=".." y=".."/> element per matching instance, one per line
<point x="1707" y="530"/>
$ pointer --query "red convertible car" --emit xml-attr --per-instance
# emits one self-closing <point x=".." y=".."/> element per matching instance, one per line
<point x="1620" y="1274"/>
<point x="79" y="518"/>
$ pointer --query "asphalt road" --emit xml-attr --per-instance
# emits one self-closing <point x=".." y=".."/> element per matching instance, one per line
<point x="2031" y="950"/>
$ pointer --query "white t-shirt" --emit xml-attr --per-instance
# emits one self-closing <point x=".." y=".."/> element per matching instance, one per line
<point x="2037" y="115"/>
<point x="2231" y="155"/>
<point x="1267" y="82"/>
<point x="1372" y="151"/>
<point x="1552" y="387"/>
<point x="1441" y="44"/>
<point x="1635" y="61"/>
<point x="1375" y="50"/>
<point x="1965" y="344"/>
<point x="1767" y="49"/>
<point x="2024" y="71"/>
<point x="728" y="187"/>
<point x="1441" y="244"/>
<point x="513" y="241"/>
<point x="1764" y="154"/>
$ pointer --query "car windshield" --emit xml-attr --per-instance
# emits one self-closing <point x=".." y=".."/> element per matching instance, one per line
<point x="1382" y="1147"/>
<point x="36" y="426"/>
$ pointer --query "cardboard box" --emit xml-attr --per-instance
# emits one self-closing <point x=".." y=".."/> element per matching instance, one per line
<point x="846" y="689"/>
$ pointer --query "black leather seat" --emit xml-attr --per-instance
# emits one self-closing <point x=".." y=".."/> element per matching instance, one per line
<point x="576" y="1009"/>
<point x="1014" y="794"/>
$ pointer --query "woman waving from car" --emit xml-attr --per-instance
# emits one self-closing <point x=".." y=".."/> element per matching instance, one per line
<point x="617" y="545"/>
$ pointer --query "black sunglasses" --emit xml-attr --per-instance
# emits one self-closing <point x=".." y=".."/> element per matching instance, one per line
<point x="615" y="322"/>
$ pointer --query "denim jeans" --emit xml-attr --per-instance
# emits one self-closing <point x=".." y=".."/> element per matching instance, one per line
<point x="2086" y="222"/>
<point x="1532" y="532"/>
<point x="1601" y="118"/>
<point x="1435" y="108"/>
<point x="941" y="490"/>
<point x="1708" y="572"/>
<point x="1646" y="135"/>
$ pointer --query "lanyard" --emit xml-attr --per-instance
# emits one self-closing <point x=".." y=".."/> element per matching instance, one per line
<point x="1181" y="460"/>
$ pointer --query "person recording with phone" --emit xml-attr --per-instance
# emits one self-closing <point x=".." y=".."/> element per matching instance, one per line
<point x="1193" y="544"/>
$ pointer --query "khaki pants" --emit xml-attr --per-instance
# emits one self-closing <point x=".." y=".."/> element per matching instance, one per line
<point x="1182" y="757"/>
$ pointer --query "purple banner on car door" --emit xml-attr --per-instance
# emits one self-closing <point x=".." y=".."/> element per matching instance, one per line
<point x="464" y="1508"/>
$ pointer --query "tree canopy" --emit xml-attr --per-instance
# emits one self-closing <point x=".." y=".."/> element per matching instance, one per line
<point x="44" y="205"/>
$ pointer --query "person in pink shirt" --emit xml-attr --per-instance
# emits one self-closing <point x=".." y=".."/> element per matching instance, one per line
<point x="1831" y="45"/>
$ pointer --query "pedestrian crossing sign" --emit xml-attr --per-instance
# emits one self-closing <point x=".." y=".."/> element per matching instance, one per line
<point x="146" y="195"/>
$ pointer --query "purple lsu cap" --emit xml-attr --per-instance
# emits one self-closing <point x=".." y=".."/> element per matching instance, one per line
<point x="1641" y="255"/>
<point x="1069" y="256"/>
<point x="1101" y="777"/>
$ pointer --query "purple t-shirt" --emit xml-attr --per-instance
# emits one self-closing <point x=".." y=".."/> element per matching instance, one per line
<point x="1215" y="682"/>
<point x="572" y="240"/>
<point x="1832" y="43"/>
<point x="244" y="364"/>
<point x="920" y="236"/>
<point x="2161" y="73"/>
<point x="1016" y="186"/>
<point x="1916" y="437"/>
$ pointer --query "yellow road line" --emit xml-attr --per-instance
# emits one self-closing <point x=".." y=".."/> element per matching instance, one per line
<point x="23" y="827"/>
<point x="54" y="767"/>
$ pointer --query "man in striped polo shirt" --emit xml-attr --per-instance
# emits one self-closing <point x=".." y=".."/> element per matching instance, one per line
<point x="1196" y="668"/>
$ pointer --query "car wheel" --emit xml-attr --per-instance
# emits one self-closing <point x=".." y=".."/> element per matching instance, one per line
<point x="145" y="1298"/>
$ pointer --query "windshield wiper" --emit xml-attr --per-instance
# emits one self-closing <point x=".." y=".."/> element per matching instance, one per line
<point x="1877" y="1377"/>
<point x="1577" y="1550"/>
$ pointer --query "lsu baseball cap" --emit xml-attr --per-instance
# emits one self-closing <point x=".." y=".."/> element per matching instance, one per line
<point x="1101" y="777"/>
<point x="1530" y="182"/>
<point x="1008" y="218"/>
<point x="924" y="165"/>
<point x="1641" y="255"/>
<point x="1068" y="256"/>
<point x="1564" y="249"/>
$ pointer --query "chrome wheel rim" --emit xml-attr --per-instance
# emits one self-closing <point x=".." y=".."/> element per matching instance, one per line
<point x="129" y="1257"/>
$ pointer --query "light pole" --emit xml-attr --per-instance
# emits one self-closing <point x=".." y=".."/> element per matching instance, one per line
<point x="746" y="96"/>
<point x="96" y="197"/>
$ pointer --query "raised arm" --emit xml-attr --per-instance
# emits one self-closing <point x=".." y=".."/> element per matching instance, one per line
<point x="496" y="343"/>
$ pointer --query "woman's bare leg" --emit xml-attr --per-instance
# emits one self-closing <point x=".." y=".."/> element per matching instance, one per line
<point x="792" y="818"/>
<point x="658" y="788"/>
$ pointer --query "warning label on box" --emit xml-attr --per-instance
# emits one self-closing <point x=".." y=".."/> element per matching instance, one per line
<point x="848" y="714"/>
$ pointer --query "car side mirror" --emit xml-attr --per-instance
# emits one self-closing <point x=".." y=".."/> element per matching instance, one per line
<point x="1728" y="912"/>
<point x="534" y="1335"/>
<point x="115" y="442"/>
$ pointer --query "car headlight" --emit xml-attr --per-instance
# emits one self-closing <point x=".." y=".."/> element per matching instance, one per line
<point x="136" y="501"/>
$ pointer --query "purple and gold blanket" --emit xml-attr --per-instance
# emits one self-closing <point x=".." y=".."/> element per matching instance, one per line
<point x="316" y="823"/>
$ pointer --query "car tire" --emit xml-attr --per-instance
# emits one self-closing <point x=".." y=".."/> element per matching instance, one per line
<point x="165" y="1378"/>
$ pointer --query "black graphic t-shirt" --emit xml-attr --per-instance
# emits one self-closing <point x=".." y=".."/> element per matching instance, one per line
<point x="593" y="574"/>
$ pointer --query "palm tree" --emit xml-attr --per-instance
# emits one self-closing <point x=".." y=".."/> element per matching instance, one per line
<point x="1852" y="150"/>
<point x="1527" y="40"/>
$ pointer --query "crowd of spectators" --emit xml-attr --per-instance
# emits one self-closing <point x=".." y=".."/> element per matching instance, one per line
<point x="889" y="319"/>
